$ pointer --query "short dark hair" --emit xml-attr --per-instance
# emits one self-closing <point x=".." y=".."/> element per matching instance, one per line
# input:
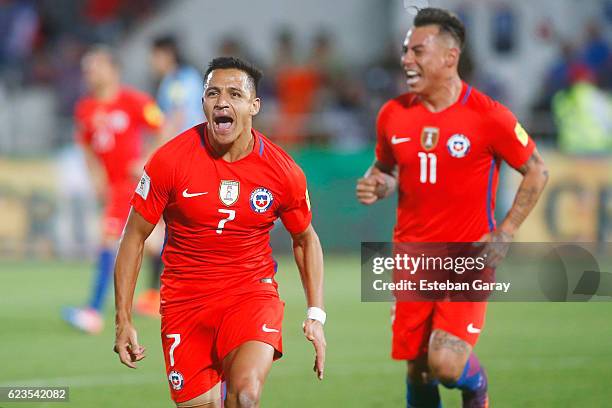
<point x="251" y="70"/>
<point x="448" y="22"/>
<point x="168" y="42"/>
<point x="105" y="50"/>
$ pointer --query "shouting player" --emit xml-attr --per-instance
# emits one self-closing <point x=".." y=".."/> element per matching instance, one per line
<point x="220" y="186"/>
<point x="111" y="122"/>
<point x="442" y="144"/>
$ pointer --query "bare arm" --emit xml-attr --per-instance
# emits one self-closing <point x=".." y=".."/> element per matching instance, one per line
<point x="535" y="176"/>
<point x="96" y="172"/>
<point x="309" y="259"/>
<point x="379" y="181"/>
<point x="127" y="266"/>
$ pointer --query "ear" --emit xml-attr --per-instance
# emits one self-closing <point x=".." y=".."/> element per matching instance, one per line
<point x="452" y="57"/>
<point x="255" y="105"/>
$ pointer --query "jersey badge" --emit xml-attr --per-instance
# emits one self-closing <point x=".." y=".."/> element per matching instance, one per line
<point x="144" y="185"/>
<point x="458" y="145"/>
<point x="261" y="200"/>
<point x="229" y="190"/>
<point x="429" y="137"/>
<point x="176" y="380"/>
<point x="153" y="114"/>
<point x="521" y="134"/>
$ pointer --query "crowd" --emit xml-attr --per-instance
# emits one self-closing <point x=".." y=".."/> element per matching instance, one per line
<point x="312" y="95"/>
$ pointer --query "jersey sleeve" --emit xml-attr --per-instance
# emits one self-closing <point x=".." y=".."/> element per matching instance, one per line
<point x="295" y="209"/>
<point x="384" y="153"/>
<point x="148" y="112"/>
<point x="154" y="188"/>
<point x="509" y="140"/>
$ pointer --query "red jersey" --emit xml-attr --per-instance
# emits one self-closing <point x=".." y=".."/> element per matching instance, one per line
<point x="114" y="130"/>
<point x="448" y="164"/>
<point x="218" y="215"/>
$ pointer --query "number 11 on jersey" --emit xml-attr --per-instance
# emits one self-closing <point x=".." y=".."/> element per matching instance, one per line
<point x="428" y="173"/>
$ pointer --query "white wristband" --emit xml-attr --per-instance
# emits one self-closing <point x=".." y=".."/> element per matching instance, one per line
<point x="316" y="313"/>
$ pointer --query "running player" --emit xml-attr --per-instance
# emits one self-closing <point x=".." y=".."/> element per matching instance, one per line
<point x="443" y="143"/>
<point x="111" y="122"/>
<point x="220" y="186"/>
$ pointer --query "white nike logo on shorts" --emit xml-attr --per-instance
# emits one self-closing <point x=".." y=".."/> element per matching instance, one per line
<point x="268" y="330"/>
<point x="189" y="195"/>
<point x="472" y="329"/>
<point x="397" y="140"/>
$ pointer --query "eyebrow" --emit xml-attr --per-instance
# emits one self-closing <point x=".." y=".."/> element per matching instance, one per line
<point x="231" y="88"/>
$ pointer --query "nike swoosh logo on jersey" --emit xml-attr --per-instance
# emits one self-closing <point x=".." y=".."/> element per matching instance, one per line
<point x="268" y="330"/>
<point x="472" y="329"/>
<point x="189" y="195"/>
<point x="397" y="140"/>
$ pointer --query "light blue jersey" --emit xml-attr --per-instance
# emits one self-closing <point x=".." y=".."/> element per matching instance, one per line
<point x="182" y="90"/>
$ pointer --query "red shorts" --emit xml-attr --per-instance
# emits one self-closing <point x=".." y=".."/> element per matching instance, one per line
<point x="413" y="323"/>
<point x="117" y="209"/>
<point x="196" y="341"/>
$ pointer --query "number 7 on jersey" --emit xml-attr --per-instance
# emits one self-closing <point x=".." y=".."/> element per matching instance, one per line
<point x="231" y="214"/>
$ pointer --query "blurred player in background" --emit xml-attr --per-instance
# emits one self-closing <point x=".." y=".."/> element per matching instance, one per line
<point x="220" y="186"/>
<point x="180" y="98"/>
<point x="111" y="124"/>
<point x="443" y="143"/>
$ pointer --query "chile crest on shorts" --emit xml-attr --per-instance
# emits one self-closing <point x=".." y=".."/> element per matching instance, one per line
<point x="261" y="199"/>
<point x="458" y="145"/>
<point x="176" y="380"/>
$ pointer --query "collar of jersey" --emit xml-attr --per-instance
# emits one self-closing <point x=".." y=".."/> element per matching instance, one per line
<point x="461" y="100"/>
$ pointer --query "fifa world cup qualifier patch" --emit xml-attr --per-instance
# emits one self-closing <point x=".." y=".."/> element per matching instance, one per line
<point x="176" y="380"/>
<point x="144" y="185"/>
<point x="261" y="199"/>
<point x="521" y="134"/>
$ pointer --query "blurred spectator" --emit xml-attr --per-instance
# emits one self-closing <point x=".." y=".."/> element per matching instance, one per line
<point x="339" y="99"/>
<point x="596" y="52"/>
<point x="583" y="114"/>
<point x="556" y="78"/>
<point x="19" y="24"/>
<point x="296" y="88"/>
<point x="67" y="73"/>
<point x="181" y="86"/>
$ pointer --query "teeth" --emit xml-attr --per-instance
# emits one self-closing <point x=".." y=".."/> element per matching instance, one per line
<point x="412" y="80"/>
<point x="411" y="73"/>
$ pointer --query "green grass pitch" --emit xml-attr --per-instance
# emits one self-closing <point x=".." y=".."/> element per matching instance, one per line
<point x="536" y="354"/>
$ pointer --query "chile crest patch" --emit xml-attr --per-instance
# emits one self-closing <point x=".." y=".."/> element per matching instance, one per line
<point x="261" y="199"/>
<point x="176" y="380"/>
<point x="458" y="145"/>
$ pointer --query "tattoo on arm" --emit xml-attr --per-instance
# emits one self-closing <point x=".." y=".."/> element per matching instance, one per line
<point x="525" y="199"/>
<point x="534" y="159"/>
<point x="535" y="176"/>
<point x="443" y="340"/>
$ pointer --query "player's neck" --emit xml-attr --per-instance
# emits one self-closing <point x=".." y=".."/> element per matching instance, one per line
<point x="106" y="93"/>
<point x="240" y="148"/>
<point x="443" y="96"/>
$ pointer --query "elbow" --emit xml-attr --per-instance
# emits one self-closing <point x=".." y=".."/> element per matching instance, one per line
<point x="305" y="238"/>
<point x="543" y="171"/>
<point x="539" y="174"/>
